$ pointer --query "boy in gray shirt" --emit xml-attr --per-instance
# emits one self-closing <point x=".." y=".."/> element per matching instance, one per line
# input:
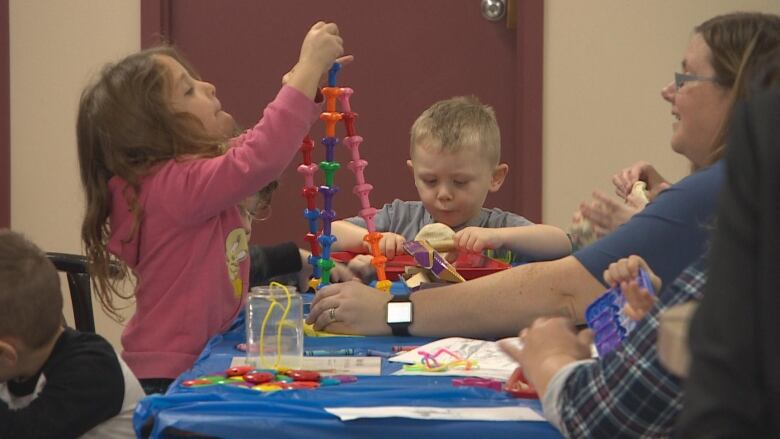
<point x="455" y="157"/>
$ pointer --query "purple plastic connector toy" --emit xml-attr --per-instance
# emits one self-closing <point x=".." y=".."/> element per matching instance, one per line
<point x="605" y="316"/>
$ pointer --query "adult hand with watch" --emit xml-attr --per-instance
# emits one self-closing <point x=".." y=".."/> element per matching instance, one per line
<point x="363" y="307"/>
<point x="479" y="308"/>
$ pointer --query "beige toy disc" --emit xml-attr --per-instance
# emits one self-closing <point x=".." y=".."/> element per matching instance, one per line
<point x="435" y="232"/>
<point x="440" y="237"/>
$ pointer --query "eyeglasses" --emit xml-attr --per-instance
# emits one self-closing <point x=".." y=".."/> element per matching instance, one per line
<point x="681" y="78"/>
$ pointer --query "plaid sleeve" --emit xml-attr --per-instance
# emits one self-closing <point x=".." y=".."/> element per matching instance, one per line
<point x="628" y="393"/>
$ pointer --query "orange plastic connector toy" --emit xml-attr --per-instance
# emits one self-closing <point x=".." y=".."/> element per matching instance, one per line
<point x="378" y="261"/>
<point x="330" y="119"/>
<point x="330" y="115"/>
<point x="331" y="93"/>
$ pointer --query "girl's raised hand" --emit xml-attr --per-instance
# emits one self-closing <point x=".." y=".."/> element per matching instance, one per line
<point x="343" y="60"/>
<point x="321" y="47"/>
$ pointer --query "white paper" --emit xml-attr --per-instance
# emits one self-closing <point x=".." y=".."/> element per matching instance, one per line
<point x="335" y="365"/>
<point x="491" y="361"/>
<point x="514" y="413"/>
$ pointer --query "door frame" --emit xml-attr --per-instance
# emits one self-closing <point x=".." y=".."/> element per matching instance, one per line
<point x="529" y="106"/>
<point x="5" y="116"/>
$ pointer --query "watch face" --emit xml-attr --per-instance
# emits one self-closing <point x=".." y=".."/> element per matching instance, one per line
<point x="399" y="312"/>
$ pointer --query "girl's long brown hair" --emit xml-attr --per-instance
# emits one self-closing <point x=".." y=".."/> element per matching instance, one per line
<point x="738" y="42"/>
<point x="124" y="128"/>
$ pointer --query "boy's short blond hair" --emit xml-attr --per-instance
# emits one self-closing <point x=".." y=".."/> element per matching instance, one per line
<point x="30" y="297"/>
<point x="456" y="123"/>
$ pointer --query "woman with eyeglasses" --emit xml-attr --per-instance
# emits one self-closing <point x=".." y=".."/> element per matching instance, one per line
<point x="628" y="392"/>
<point x="733" y="388"/>
<point x="701" y="95"/>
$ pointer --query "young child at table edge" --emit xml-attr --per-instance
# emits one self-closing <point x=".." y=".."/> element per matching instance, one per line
<point x="455" y="154"/>
<point x="163" y="194"/>
<point x="54" y="381"/>
<point x="278" y="262"/>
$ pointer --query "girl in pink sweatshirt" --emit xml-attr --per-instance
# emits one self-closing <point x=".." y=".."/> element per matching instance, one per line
<point x="162" y="197"/>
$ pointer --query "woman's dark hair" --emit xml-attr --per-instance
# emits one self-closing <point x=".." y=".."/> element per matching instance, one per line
<point x="739" y="42"/>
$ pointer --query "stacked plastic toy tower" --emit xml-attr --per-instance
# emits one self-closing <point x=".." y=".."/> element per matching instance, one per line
<point x="322" y="242"/>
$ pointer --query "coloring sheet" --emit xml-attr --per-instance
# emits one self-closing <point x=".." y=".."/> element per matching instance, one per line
<point x="492" y="362"/>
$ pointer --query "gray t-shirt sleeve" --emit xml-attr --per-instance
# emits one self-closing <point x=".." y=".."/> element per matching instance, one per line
<point x="405" y="218"/>
<point x="496" y="218"/>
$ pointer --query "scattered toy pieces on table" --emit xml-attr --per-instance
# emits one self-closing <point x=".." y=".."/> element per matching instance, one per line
<point x="516" y="386"/>
<point x="269" y="380"/>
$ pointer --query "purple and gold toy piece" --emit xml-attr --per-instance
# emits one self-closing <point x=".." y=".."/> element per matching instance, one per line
<point x="606" y="317"/>
<point x="426" y="257"/>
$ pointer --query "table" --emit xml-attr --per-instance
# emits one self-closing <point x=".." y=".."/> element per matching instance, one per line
<point x="226" y="411"/>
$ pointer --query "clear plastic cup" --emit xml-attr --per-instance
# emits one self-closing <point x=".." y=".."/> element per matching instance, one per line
<point x="274" y="328"/>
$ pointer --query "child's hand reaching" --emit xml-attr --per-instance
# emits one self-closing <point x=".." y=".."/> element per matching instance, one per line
<point x="477" y="239"/>
<point x="360" y="266"/>
<point x="320" y="49"/>
<point x="624" y="273"/>
<point x="639" y="301"/>
<point x="391" y="245"/>
<point x="341" y="273"/>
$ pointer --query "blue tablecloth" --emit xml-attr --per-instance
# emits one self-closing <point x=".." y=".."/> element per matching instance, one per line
<point x="233" y="412"/>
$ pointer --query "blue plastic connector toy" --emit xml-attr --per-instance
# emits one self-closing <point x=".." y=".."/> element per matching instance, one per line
<point x="605" y="316"/>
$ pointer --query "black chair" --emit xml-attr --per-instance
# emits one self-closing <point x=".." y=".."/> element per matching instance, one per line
<point x="75" y="266"/>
